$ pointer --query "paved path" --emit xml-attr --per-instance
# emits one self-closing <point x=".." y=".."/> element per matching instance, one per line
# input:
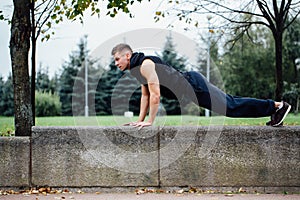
<point x="132" y="196"/>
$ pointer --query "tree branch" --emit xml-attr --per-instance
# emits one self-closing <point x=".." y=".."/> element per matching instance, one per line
<point x="266" y="16"/>
<point x="40" y="23"/>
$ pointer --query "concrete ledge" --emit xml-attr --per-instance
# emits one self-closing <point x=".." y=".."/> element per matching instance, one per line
<point x="242" y="157"/>
<point x="14" y="161"/>
<point x="69" y="157"/>
<point x="217" y="157"/>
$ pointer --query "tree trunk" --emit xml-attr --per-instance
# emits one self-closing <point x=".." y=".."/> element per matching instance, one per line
<point x="279" y="78"/>
<point x="33" y="60"/>
<point x="19" y="51"/>
<point x="278" y="35"/>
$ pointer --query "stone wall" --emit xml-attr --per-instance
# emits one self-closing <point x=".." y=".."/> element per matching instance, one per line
<point x="123" y="157"/>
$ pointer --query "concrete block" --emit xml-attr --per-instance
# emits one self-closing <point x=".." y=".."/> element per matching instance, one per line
<point x="175" y="156"/>
<point x="94" y="156"/>
<point x="14" y="161"/>
<point x="233" y="156"/>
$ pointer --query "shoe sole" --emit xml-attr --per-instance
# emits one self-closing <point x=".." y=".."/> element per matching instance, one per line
<point x="285" y="114"/>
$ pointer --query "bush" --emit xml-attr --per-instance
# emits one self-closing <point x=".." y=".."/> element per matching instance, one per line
<point x="47" y="104"/>
<point x="193" y="109"/>
<point x="292" y="95"/>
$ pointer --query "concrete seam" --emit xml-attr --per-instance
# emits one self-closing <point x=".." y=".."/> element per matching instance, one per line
<point x="158" y="157"/>
<point x="30" y="162"/>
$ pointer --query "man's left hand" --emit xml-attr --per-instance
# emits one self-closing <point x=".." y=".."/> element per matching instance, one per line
<point x="141" y="124"/>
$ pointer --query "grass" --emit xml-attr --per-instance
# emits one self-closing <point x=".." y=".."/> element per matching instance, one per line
<point x="7" y="123"/>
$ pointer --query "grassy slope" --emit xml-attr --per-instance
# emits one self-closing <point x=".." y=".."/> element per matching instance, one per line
<point x="7" y="123"/>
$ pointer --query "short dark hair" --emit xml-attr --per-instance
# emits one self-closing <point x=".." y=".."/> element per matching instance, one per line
<point x="120" y="48"/>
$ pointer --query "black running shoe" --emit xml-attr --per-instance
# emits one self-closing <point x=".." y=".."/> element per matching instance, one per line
<point x="280" y="114"/>
<point x="271" y="122"/>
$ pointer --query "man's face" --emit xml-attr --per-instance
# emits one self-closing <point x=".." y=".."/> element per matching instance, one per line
<point x="122" y="60"/>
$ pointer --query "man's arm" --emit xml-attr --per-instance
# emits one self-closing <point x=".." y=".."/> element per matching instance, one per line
<point x="144" y="103"/>
<point x="148" y="71"/>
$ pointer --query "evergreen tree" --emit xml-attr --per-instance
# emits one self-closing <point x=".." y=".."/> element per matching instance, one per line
<point x="78" y="96"/>
<point x="72" y="82"/>
<point x="105" y="88"/>
<point x="7" y="97"/>
<point x="126" y="95"/>
<point x="54" y="84"/>
<point x="1" y="96"/>
<point x="68" y="76"/>
<point x="291" y="53"/>
<point x="214" y="75"/>
<point x="170" y="56"/>
<point x="42" y="80"/>
<point x="46" y="99"/>
<point x="66" y="83"/>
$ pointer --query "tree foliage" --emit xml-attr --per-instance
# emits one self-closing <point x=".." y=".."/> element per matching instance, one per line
<point x="291" y="52"/>
<point x="277" y="16"/>
<point x="215" y="60"/>
<point x="246" y="66"/>
<point x="171" y="57"/>
<point x="44" y="83"/>
<point x="67" y="78"/>
<point x="7" y="97"/>
<point x="22" y="28"/>
<point x="106" y="84"/>
<point x="126" y="95"/>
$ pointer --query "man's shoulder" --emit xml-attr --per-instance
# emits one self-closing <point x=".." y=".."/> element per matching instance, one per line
<point x="148" y="61"/>
<point x="155" y="59"/>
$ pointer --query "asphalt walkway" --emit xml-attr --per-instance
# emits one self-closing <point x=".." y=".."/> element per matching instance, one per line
<point x="149" y="196"/>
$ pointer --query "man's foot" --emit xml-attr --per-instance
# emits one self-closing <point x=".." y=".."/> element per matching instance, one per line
<point x="280" y="115"/>
<point x="270" y="123"/>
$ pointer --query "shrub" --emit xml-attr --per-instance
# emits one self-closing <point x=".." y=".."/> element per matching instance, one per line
<point x="47" y="104"/>
<point x="193" y="109"/>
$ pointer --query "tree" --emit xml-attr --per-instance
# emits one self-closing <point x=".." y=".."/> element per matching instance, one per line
<point x="246" y="65"/>
<point x="20" y="42"/>
<point x="69" y="74"/>
<point x="201" y="67"/>
<point x="125" y="95"/>
<point x="7" y="97"/>
<point x="291" y="63"/>
<point x="272" y="14"/>
<point x="42" y="82"/>
<point x="170" y="56"/>
<point x="292" y="53"/>
<point x="19" y="48"/>
<point x="79" y="88"/>
<point x="1" y="95"/>
<point x="105" y="88"/>
<point x="43" y="15"/>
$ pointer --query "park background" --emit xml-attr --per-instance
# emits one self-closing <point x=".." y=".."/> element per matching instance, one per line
<point x="244" y="67"/>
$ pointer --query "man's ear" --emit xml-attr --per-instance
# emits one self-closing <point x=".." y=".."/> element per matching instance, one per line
<point x="128" y="55"/>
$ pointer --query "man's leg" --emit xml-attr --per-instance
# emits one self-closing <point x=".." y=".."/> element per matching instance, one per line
<point x="211" y="97"/>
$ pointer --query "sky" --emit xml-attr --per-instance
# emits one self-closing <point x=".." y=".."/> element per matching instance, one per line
<point x="141" y="32"/>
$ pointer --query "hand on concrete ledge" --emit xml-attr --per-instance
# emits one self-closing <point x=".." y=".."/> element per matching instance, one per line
<point x="138" y="124"/>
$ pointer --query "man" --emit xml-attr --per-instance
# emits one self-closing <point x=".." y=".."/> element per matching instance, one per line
<point x="157" y="78"/>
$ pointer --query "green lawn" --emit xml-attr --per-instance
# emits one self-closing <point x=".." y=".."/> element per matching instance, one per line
<point x="7" y="123"/>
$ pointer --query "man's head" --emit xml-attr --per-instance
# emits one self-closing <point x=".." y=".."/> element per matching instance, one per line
<point x="122" y="54"/>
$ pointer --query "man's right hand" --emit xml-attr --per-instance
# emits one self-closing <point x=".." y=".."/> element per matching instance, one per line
<point x="138" y="124"/>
